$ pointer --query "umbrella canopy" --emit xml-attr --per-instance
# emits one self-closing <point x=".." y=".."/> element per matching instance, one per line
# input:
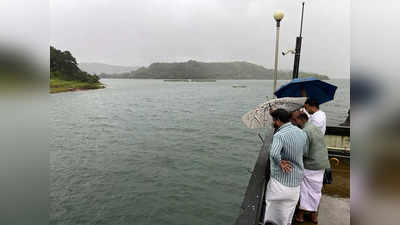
<point x="313" y="88"/>
<point x="260" y="117"/>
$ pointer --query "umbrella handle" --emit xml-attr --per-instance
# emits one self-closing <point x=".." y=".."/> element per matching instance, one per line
<point x="303" y="92"/>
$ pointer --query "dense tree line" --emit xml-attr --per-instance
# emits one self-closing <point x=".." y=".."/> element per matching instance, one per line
<point x="64" y="66"/>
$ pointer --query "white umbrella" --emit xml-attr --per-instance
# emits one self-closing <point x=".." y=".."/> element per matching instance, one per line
<point x="260" y="117"/>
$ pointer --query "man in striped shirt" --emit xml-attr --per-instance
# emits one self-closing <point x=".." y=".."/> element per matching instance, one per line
<point x="286" y="166"/>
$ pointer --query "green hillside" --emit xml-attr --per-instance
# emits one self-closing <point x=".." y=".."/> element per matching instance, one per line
<point x="202" y="70"/>
<point x="65" y="74"/>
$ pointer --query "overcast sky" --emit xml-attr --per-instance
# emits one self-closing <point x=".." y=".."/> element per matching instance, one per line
<point x="140" y="32"/>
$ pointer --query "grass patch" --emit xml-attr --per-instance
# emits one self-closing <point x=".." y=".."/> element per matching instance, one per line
<point x="57" y="85"/>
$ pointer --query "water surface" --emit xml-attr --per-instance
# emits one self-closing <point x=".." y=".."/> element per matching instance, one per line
<point x="155" y="152"/>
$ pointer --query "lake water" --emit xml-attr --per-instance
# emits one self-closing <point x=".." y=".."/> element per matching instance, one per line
<point x="154" y="152"/>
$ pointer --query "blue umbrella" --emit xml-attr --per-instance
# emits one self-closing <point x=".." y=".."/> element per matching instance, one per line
<point x="314" y="88"/>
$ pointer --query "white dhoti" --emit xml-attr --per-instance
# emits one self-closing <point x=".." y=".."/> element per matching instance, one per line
<point x="310" y="190"/>
<point x="280" y="202"/>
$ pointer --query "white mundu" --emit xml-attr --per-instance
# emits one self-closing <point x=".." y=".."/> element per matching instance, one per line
<point x="280" y="202"/>
<point x="319" y="119"/>
<point x="310" y="190"/>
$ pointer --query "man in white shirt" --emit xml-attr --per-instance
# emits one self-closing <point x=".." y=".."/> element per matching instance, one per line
<point x="318" y="117"/>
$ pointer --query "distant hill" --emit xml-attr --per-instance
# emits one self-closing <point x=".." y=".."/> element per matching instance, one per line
<point x="202" y="70"/>
<point x="101" y="68"/>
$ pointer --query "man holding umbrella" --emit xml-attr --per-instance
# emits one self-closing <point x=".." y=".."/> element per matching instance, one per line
<point x="317" y="116"/>
<point x="317" y="92"/>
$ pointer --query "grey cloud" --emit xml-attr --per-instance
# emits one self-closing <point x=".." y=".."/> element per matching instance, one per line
<point x="139" y="32"/>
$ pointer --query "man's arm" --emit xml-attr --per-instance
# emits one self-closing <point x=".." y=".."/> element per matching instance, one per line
<point x="276" y="148"/>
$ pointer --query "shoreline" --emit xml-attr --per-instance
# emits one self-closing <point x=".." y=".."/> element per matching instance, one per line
<point x="58" y="86"/>
<point x="73" y="89"/>
<point x="173" y="79"/>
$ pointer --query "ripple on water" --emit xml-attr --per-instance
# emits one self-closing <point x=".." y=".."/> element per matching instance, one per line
<point x="181" y="130"/>
<point x="149" y="152"/>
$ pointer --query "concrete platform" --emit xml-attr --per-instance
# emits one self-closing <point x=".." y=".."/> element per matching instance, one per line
<point x="332" y="211"/>
<point x="334" y="208"/>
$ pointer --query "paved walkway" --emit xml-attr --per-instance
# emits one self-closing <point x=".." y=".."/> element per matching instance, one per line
<point x="335" y="210"/>
<point x="332" y="211"/>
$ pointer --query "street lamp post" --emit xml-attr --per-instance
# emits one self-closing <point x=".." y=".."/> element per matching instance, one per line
<point x="278" y="16"/>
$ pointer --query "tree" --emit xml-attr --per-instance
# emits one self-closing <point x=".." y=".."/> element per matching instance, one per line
<point x="64" y="66"/>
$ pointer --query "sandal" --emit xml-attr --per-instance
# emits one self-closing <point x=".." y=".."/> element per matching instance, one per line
<point x="314" y="218"/>
<point x="299" y="217"/>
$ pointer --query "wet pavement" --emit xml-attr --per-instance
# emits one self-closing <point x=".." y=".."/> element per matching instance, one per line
<point x="334" y="207"/>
